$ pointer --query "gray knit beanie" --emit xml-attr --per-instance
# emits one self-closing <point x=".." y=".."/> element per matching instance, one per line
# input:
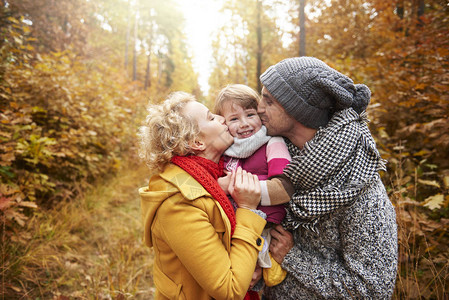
<point x="311" y="91"/>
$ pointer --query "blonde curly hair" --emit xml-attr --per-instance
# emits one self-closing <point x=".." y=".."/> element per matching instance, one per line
<point x="167" y="132"/>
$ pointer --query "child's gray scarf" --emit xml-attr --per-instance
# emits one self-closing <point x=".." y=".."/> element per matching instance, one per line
<point x="332" y="170"/>
<point x="243" y="148"/>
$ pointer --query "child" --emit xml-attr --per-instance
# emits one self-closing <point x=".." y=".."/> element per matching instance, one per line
<point x="259" y="154"/>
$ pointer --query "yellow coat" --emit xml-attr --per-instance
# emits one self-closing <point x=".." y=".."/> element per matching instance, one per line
<point x="190" y="234"/>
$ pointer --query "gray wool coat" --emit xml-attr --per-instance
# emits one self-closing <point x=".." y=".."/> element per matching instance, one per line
<point x="353" y="256"/>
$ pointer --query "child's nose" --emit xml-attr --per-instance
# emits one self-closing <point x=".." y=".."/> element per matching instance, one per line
<point x="243" y="123"/>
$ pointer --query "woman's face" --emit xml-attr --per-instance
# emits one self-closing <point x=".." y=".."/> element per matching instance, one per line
<point x="214" y="134"/>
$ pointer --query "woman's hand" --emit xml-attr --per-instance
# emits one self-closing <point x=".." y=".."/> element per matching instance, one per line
<point x="281" y="243"/>
<point x="245" y="189"/>
<point x="224" y="182"/>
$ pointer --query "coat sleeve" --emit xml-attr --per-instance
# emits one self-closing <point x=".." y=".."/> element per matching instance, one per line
<point x="365" y="266"/>
<point x="189" y="232"/>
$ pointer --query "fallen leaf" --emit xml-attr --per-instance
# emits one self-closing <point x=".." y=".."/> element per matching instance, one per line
<point x="4" y="202"/>
<point x="434" y="202"/>
<point x="446" y="181"/>
<point x="429" y="182"/>
<point x="28" y="204"/>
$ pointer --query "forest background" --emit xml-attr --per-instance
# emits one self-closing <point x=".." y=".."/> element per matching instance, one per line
<point x="76" y="75"/>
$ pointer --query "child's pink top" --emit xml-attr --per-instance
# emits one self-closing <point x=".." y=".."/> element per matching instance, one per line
<point x="269" y="160"/>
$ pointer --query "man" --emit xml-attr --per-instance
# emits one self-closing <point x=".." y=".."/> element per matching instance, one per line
<point x="343" y="243"/>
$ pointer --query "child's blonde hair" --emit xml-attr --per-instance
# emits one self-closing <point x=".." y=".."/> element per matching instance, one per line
<point x="239" y="94"/>
<point x="167" y="131"/>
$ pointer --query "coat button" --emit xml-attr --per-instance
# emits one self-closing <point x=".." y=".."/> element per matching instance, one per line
<point x="258" y="242"/>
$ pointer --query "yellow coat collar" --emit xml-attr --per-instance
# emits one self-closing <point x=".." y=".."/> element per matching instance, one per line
<point x="186" y="184"/>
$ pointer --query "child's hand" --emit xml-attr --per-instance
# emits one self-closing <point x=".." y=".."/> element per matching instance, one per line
<point x="257" y="275"/>
<point x="224" y="182"/>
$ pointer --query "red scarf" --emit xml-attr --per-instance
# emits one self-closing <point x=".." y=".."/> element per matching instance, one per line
<point x="206" y="172"/>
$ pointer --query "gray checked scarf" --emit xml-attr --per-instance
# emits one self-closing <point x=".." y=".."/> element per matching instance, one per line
<point x="332" y="170"/>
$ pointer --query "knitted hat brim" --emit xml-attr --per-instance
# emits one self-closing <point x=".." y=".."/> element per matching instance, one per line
<point x="299" y="109"/>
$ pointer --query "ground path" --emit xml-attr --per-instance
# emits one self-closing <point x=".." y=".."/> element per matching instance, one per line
<point x="91" y="248"/>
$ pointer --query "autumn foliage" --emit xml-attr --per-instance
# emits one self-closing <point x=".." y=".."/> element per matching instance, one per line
<point x="59" y="125"/>
<point x="75" y="77"/>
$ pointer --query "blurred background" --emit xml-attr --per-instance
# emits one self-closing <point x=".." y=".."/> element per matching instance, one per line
<point x="76" y="75"/>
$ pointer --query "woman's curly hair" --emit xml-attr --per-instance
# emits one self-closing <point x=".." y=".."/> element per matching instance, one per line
<point x="167" y="132"/>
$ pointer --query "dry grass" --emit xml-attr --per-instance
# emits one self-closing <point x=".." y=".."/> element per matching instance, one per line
<point x="423" y="269"/>
<point x="88" y="249"/>
<point x="423" y="266"/>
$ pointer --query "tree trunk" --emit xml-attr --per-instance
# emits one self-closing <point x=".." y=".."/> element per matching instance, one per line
<point x="148" y="69"/>
<point x="128" y="29"/>
<point x="147" y="73"/>
<point x="400" y="9"/>
<point x="236" y="59"/>
<point x="302" y="28"/>
<point x="135" y="50"/>
<point x="421" y="7"/>
<point x="259" y="45"/>
<point x="159" y="71"/>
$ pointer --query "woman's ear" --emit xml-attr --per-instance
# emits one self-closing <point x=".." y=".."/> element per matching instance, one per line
<point x="197" y="146"/>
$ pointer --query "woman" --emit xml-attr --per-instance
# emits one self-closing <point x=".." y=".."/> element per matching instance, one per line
<point x="203" y="248"/>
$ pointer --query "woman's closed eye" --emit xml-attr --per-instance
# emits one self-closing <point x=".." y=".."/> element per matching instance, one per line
<point x="213" y="117"/>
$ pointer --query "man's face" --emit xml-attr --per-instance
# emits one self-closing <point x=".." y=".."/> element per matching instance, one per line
<point x="274" y="116"/>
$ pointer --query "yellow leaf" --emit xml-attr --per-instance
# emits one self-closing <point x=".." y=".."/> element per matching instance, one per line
<point x="421" y="153"/>
<point x="443" y="52"/>
<point x="429" y="182"/>
<point x="446" y="181"/>
<point x="17" y="289"/>
<point x="420" y="86"/>
<point x="434" y="202"/>
<point x="18" y="217"/>
<point x="28" y="204"/>
<point x="14" y="20"/>
<point x="18" y="41"/>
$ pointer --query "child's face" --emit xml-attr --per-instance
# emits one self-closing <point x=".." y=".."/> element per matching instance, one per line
<point x="242" y="123"/>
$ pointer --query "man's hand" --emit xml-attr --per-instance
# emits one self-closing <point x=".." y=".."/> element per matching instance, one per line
<point x="281" y="243"/>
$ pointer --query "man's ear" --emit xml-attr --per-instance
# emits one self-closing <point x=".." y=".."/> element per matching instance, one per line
<point x="197" y="146"/>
